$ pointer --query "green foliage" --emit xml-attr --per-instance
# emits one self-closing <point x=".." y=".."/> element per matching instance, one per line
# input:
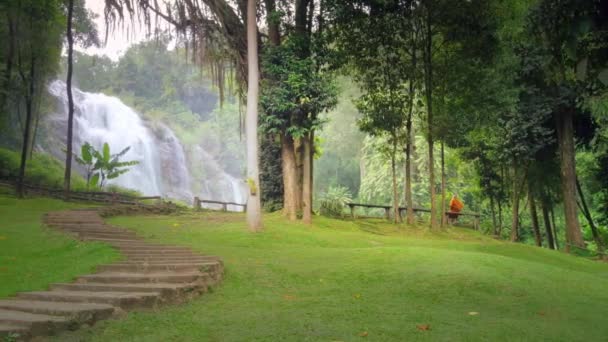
<point x="294" y="90"/>
<point x="109" y="166"/>
<point x="334" y="201"/>
<point x="271" y="180"/>
<point x="43" y="170"/>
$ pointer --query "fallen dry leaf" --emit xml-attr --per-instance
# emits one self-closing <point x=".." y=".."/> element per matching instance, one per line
<point x="357" y="296"/>
<point x="473" y="313"/>
<point x="289" y="297"/>
<point x="423" y="327"/>
<point x="363" y="334"/>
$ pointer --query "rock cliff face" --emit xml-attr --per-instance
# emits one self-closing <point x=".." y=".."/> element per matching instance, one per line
<point x="165" y="168"/>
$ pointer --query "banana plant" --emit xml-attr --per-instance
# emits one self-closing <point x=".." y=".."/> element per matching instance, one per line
<point x="102" y="166"/>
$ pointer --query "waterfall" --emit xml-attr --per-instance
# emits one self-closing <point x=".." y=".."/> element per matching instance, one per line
<point x="163" y="167"/>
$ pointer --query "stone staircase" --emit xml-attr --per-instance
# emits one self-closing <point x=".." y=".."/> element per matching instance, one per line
<point x="149" y="275"/>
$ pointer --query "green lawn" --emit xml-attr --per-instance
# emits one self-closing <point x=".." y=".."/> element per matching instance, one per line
<point x="345" y="281"/>
<point x="33" y="256"/>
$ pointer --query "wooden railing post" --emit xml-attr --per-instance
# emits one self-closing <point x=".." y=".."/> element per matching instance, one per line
<point x="197" y="203"/>
<point x="224" y="207"/>
<point x="352" y="210"/>
<point x="387" y="213"/>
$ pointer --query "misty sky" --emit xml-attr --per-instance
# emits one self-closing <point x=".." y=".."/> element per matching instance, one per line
<point x="119" y="40"/>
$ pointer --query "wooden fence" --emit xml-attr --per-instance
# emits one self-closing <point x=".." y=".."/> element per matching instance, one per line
<point x="199" y="202"/>
<point x="88" y="196"/>
<point x="388" y="208"/>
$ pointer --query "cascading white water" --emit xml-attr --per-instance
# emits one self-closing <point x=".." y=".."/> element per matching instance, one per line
<point x="163" y="165"/>
<point x="99" y="119"/>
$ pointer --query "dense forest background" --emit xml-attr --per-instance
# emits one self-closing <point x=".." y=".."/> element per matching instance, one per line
<point x="501" y="102"/>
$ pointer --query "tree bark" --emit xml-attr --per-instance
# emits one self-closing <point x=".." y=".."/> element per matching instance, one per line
<point x="499" y="217"/>
<point x="274" y="35"/>
<point x="68" y="155"/>
<point x="493" y="210"/>
<point x="547" y="221"/>
<point x="299" y="153"/>
<point x="555" y="238"/>
<point x="254" y="210"/>
<point x="289" y="177"/>
<point x="587" y="214"/>
<point x="534" y="216"/>
<point x="428" y="61"/>
<point x="515" y="207"/>
<point x="394" y="174"/>
<point x="408" y="160"/>
<point x="306" y="180"/>
<point x="9" y="61"/>
<point x="443" y="185"/>
<point x="28" y="125"/>
<point x="565" y="136"/>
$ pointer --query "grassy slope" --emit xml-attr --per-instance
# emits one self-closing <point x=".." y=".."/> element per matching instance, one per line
<point x="31" y="256"/>
<point x="335" y="282"/>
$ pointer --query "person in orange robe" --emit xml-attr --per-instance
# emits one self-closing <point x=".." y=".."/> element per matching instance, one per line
<point x="455" y="207"/>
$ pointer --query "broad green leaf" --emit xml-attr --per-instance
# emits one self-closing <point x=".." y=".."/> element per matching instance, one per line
<point x="94" y="180"/>
<point x="106" y="153"/>
<point x="86" y="153"/>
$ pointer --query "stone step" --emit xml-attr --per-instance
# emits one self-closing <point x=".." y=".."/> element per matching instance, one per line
<point x="160" y="259"/>
<point x="106" y="235"/>
<point x="150" y="268"/>
<point x="80" y="312"/>
<point x="73" y="222"/>
<point x="109" y="240"/>
<point x="150" y="250"/>
<point x="96" y="230"/>
<point x="91" y="225"/>
<point x="165" y="289"/>
<point x="161" y="255"/>
<point x="17" y="331"/>
<point x="37" y="324"/>
<point x="123" y="300"/>
<point x="139" y="278"/>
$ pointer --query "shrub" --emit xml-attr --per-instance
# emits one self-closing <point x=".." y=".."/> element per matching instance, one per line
<point x="334" y="201"/>
<point x="45" y="171"/>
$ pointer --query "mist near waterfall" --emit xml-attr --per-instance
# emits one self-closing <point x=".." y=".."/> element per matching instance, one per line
<point x="167" y="167"/>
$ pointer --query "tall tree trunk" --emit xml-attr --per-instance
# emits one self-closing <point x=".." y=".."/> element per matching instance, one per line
<point x="394" y="175"/>
<point x="443" y="185"/>
<point x="254" y="210"/>
<point x="299" y="153"/>
<point x="534" y="216"/>
<point x="28" y="126"/>
<point x="289" y="177"/>
<point x="493" y="210"/>
<point x="565" y="136"/>
<point x="515" y="207"/>
<point x="499" y="217"/>
<point x="408" y="175"/>
<point x="428" y="61"/>
<point x="547" y="221"/>
<point x="68" y="154"/>
<point x="555" y="237"/>
<point x="274" y="35"/>
<point x="306" y="180"/>
<point x="585" y="209"/>
<point x="8" y="70"/>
